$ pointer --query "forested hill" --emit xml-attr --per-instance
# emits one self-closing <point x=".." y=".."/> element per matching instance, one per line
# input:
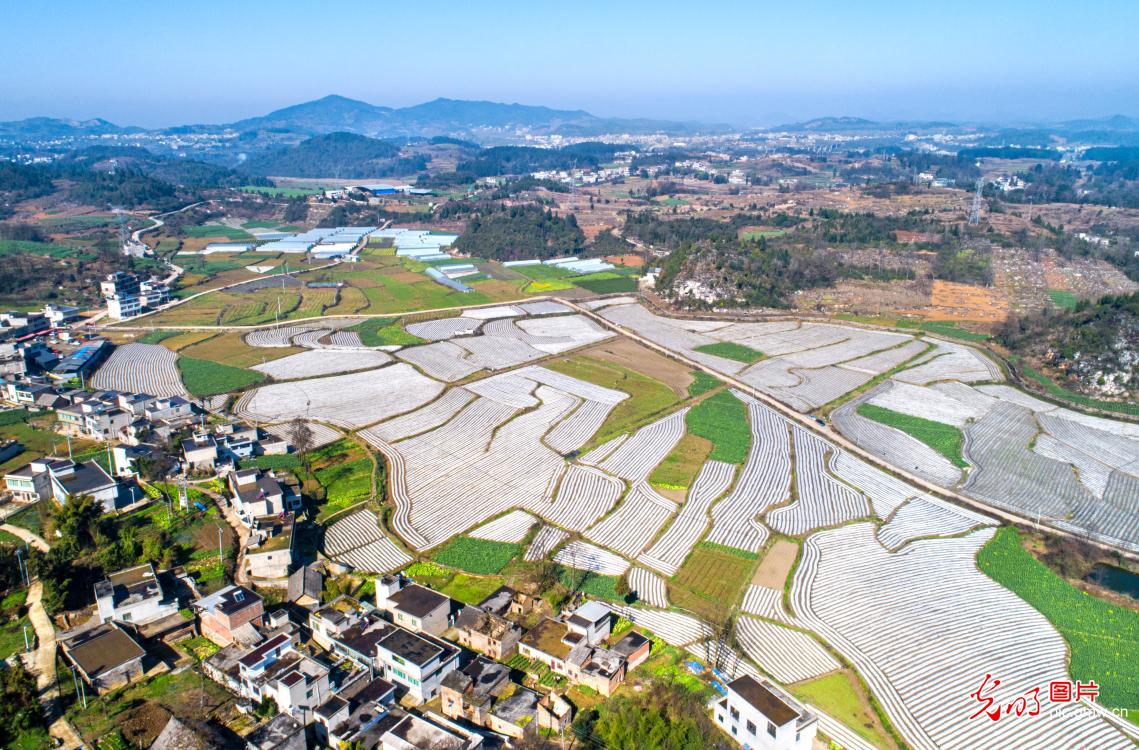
<point x="343" y="155"/>
<point x="1093" y="349"/>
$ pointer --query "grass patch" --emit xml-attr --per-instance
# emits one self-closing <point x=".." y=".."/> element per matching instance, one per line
<point x="480" y="556"/>
<point x="711" y="581"/>
<point x="943" y="438"/>
<point x="701" y="383"/>
<point x="679" y="467"/>
<point x="946" y="328"/>
<point x="282" y="462"/>
<point x="647" y="396"/>
<point x="280" y="192"/>
<point x="1103" y="638"/>
<point x="32" y="517"/>
<point x="1060" y="392"/>
<point x="839" y="695"/>
<point x="591" y="584"/>
<point x="1063" y="299"/>
<point x="722" y="419"/>
<point x="229" y="349"/>
<point x="205" y="378"/>
<point x="731" y="350"/>
<point x="384" y="332"/>
<point x="217" y="230"/>
<point x="471" y="589"/>
<point x="607" y="286"/>
<point x="13" y="416"/>
<point x="157" y="337"/>
<point x="345" y="484"/>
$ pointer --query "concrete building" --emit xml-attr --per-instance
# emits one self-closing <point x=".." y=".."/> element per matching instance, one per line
<point x="104" y="657"/>
<point x="487" y="633"/>
<point x="200" y="452"/>
<point x="758" y="715"/>
<point x="414" y="607"/>
<point x="357" y="707"/>
<point x="61" y="478"/>
<point x="135" y="595"/>
<point x="415" y="662"/>
<point x="282" y="732"/>
<point x="254" y="494"/>
<point x="482" y="694"/>
<point x="269" y="548"/>
<point x="230" y="615"/>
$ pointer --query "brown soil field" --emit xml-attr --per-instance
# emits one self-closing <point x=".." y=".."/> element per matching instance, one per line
<point x="865" y="297"/>
<point x="631" y="260"/>
<point x="776" y="565"/>
<point x="964" y="302"/>
<point x="630" y="354"/>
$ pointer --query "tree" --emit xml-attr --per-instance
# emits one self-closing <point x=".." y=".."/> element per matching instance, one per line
<point x="20" y="708"/>
<point x="76" y="522"/>
<point x="303" y="440"/>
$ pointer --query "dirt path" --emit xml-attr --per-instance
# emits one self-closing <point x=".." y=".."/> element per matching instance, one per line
<point x="238" y="528"/>
<point x="43" y="661"/>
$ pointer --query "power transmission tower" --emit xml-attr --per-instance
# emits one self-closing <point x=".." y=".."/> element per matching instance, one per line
<point x="975" y="211"/>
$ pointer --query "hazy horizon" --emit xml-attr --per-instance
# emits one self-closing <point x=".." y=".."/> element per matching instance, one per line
<point x="1017" y="62"/>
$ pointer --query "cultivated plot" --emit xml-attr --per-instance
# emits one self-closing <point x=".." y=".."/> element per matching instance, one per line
<point x="873" y="606"/>
<point x="140" y="368"/>
<point x="351" y="401"/>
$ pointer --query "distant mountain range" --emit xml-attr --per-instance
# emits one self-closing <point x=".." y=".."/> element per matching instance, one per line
<point x="479" y="120"/>
<point x="858" y="125"/>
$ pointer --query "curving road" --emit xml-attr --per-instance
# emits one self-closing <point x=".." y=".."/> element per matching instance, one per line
<point x="838" y="438"/>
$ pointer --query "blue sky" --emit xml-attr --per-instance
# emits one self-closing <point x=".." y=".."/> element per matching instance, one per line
<point x="164" y="63"/>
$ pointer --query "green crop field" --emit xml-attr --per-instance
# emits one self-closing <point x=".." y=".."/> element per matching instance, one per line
<point x="345" y="484"/>
<point x="944" y="328"/>
<point x="279" y="192"/>
<point x="591" y="584"/>
<point x="711" y="580"/>
<point x="205" y="378"/>
<point x="1063" y="299"/>
<point x="702" y="382"/>
<point x="679" y="467"/>
<point x="217" y="230"/>
<point x="647" y="395"/>
<point x="943" y="438"/>
<point x="479" y="556"/>
<point x="156" y="337"/>
<point x="384" y="332"/>
<point x="731" y="350"/>
<point x="607" y="285"/>
<point x="542" y="272"/>
<point x="722" y="419"/>
<point x="1103" y="638"/>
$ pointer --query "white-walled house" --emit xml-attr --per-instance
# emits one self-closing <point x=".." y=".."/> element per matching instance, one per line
<point x="759" y="716"/>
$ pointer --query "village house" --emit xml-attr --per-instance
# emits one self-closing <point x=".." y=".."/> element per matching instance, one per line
<point x="60" y="478"/>
<point x="758" y="715"/>
<point x="355" y="708"/>
<point x="269" y="548"/>
<point x="135" y="595"/>
<point x="105" y="656"/>
<point x="415" y="662"/>
<point x="200" y="452"/>
<point x="255" y="493"/>
<point x="487" y="633"/>
<point x="231" y="614"/>
<point x="483" y="694"/>
<point x="414" y="607"/>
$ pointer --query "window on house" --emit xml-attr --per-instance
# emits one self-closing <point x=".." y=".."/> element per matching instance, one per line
<point x="735" y="714"/>
<point x="771" y="729"/>
<point x="751" y="727"/>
